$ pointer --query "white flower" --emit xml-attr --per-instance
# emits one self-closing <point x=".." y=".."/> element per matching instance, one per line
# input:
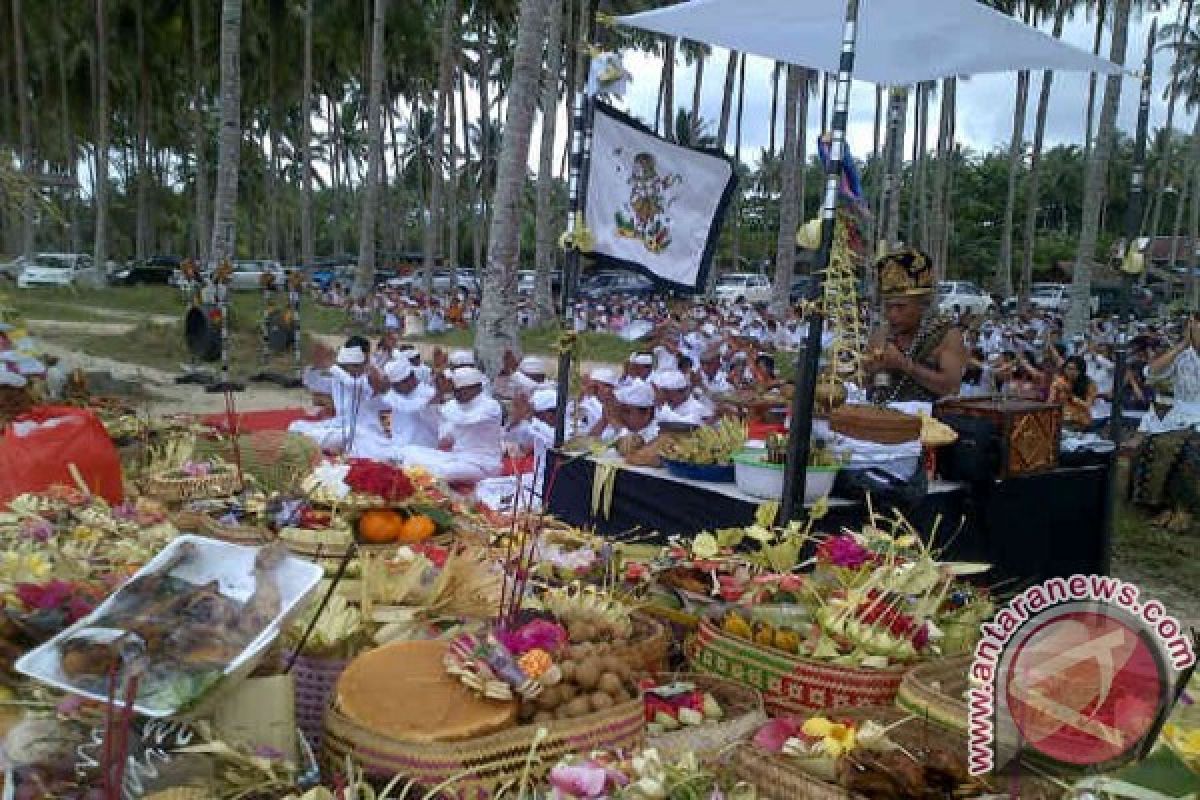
<point x="332" y="478"/>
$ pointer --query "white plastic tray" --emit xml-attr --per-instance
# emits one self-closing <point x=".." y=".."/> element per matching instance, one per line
<point x="232" y="566"/>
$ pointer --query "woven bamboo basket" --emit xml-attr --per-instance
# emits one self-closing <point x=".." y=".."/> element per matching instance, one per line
<point x="323" y="547"/>
<point x="170" y="488"/>
<point x="204" y="525"/>
<point x="743" y="717"/>
<point x="14" y="401"/>
<point x="479" y="767"/>
<point x="937" y="691"/>
<point x="778" y="777"/>
<point x="789" y="683"/>
<point x="315" y="681"/>
<point x="649" y="648"/>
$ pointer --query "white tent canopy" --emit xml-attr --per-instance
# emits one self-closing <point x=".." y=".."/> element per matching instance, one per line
<point x="900" y="42"/>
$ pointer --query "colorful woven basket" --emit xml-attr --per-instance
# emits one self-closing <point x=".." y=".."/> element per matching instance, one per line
<point x="790" y="684"/>
<point x="779" y="777"/>
<point x="649" y="648"/>
<point x="743" y="716"/>
<point x="477" y="768"/>
<point x="175" y="488"/>
<point x="315" y="680"/>
<point x="204" y="525"/>
<point x="937" y="691"/>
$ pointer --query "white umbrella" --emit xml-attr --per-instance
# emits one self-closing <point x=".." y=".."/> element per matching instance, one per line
<point x="900" y="42"/>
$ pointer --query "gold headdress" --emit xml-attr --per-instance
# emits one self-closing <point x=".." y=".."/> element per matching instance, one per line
<point x="906" y="273"/>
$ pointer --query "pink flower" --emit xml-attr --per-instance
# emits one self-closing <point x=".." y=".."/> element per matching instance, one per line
<point x="45" y="596"/>
<point x="921" y="637"/>
<point x="791" y="583"/>
<point x="844" y="551"/>
<point x="772" y="736"/>
<point x="37" y="529"/>
<point x="586" y="780"/>
<point x="539" y="634"/>
<point x="635" y="572"/>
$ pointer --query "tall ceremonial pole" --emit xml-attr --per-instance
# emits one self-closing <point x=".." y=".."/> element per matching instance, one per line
<point x="580" y="162"/>
<point x="1133" y="217"/>
<point x="795" y="472"/>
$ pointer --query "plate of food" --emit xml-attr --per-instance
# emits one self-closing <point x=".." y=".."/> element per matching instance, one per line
<point x="199" y="612"/>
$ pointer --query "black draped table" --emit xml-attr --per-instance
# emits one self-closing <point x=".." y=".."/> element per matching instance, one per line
<point x="1030" y="528"/>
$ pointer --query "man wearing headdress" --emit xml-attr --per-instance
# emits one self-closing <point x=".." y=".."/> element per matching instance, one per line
<point x="916" y="355"/>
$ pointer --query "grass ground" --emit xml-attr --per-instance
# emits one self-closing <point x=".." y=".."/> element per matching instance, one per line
<point x="1166" y="565"/>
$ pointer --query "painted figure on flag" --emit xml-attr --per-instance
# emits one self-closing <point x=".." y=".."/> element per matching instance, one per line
<point x="646" y="215"/>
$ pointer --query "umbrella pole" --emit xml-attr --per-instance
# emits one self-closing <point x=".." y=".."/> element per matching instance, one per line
<point x="1133" y="216"/>
<point x="795" y="472"/>
<point x="583" y="116"/>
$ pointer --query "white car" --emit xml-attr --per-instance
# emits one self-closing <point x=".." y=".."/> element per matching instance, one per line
<point x="60" y="269"/>
<point x="962" y="297"/>
<point x="1050" y="297"/>
<point x="738" y="286"/>
<point x="247" y="275"/>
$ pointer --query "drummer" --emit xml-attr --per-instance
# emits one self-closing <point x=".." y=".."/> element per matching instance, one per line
<point x="917" y="355"/>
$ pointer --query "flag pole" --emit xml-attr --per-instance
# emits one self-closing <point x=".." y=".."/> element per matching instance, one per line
<point x="807" y="364"/>
<point x="583" y="116"/>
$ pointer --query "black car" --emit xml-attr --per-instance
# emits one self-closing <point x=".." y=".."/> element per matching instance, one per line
<point x="154" y="270"/>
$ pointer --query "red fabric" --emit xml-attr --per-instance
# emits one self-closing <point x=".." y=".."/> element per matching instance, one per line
<point x="66" y="435"/>
<point x="274" y="419"/>
<point x="761" y="430"/>
<point x="518" y="466"/>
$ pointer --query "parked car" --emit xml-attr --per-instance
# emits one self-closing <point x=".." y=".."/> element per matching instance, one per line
<point x="324" y="276"/>
<point x="738" y="286"/>
<point x="10" y="270"/>
<point x="1106" y="301"/>
<point x="154" y="270"/>
<point x="247" y="275"/>
<point x="60" y="269"/>
<point x="444" y="280"/>
<point x="600" y="285"/>
<point x="963" y="297"/>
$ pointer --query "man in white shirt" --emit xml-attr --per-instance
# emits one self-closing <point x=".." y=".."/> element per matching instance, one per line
<point x="637" y="415"/>
<point x="414" y="416"/>
<point x="355" y="408"/>
<point x="469" y="435"/>
<point x="713" y="376"/>
<point x="676" y="403"/>
<point x="637" y="369"/>
<point x="529" y="377"/>
<point x="587" y="415"/>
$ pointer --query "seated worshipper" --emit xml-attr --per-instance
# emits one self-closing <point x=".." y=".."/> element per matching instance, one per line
<point x="412" y="411"/>
<point x="676" y="403"/>
<point x="352" y="388"/>
<point x="637" y="369"/>
<point x="412" y="355"/>
<point x="638" y="427"/>
<point x="469" y="435"/>
<point x="1075" y="392"/>
<point x="1166" y="469"/>
<point x="529" y="377"/>
<point x="531" y="427"/>
<point x="387" y="349"/>
<point x="917" y="355"/>
<point x="712" y="374"/>
<point x="587" y="415"/>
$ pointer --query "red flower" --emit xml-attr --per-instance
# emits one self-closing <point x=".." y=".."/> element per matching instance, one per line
<point x="844" y="551"/>
<point x="381" y="480"/>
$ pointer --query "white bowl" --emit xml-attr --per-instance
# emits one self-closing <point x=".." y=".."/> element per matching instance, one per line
<point x="758" y="477"/>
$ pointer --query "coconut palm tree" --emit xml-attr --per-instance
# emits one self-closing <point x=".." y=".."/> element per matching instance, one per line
<point x="199" y="141"/>
<point x="731" y="66"/>
<point x="1016" y="150"/>
<point x="1172" y="36"/>
<point x="25" y="122"/>
<point x="229" y="136"/>
<point x="364" y="278"/>
<point x="547" y="217"/>
<point x="100" y="118"/>
<point x="307" y="246"/>
<point x="496" y="330"/>
<point x="785" y="252"/>
<point x="437" y="175"/>
<point x="1097" y="174"/>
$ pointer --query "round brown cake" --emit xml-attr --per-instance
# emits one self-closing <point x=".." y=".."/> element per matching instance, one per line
<point x="402" y="691"/>
<point x="879" y="425"/>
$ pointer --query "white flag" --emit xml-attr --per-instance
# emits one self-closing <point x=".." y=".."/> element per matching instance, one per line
<point x="654" y="206"/>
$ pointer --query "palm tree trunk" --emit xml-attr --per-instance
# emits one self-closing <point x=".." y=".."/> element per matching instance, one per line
<point x="468" y="189"/>
<point x="941" y="169"/>
<point x="774" y="107"/>
<point x="1177" y="228"/>
<point x="307" y="245"/>
<point x="142" y="143"/>
<point x="898" y="110"/>
<point x="1016" y="149"/>
<point x="485" y="138"/>
<point x="726" y="104"/>
<point x="1089" y="124"/>
<point x="199" y="142"/>
<point x="737" y="160"/>
<point x="1097" y="178"/>
<point x="785" y="251"/>
<point x="698" y="85"/>
<point x="916" y="193"/>
<point x="802" y="146"/>
<point x="69" y="165"/>
<point x="1161" y="177"/>
<point x="437" y="156"/>
<point x="275" y="121"/>
<point x="452" y="219"/>
<point x="1194" y="226"/>
<point x="877" y="130"/>
<point x="547" y="217"/>
<point x="668" y="82"/>
<point x="1035" y="161"/>
<point x="335" y="170"/>
<point x="922" y="197"/>
<point x="100" y="114"/>
<point x="229" y="136"/>
<point x="364" y="279"/>
<point x="497" y="329"/>
<point x="27" y="209"/>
